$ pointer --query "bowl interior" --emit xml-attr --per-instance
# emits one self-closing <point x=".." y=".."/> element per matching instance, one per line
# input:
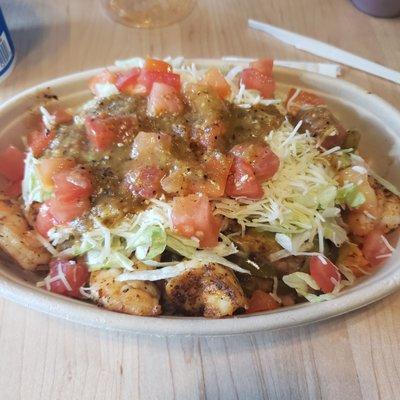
<point x="379" y="124"/>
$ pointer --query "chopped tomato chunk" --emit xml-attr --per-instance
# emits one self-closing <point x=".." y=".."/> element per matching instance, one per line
<point x="254" y="79"/>
<point x="39" y="140"/>
<point x="103" y="77"/>
<point x="263" y="160"/>
<point x="65" y="211"/>
<point x="163" y="99"/>
<point x="72" y="184"/>
<point x="325" y="273"/>
<point x="208" y="137"/>
<point x="375" y="248"/>
<point x="12" y="163"/>
<point x="100" y="133"/>
<point x="242" y="181"/>
<point x="67" y="277"/>
<point x="209" y="178"/>
<point x="214" y="79"/>
<point x="299" y="99"/>
<point x="264" y="65"/>
<point x="147" y="79"/>
<point x="217" y="167"/>
<point x="49" y="167"/>
<point x="192" y="216"/>
<point x="145" y="181"/>
<point x="104" y="132"/>
<point x="126" y="81"/>
<point x="151" y="148"/>
<point x="45" y="219"/>
<point x="13" y="189"/>
<point x="261" y="301"/>
<point x="152" y="64"/>
<point x="62" y="116"/>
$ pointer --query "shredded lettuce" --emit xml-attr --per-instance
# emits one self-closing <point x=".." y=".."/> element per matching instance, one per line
<point x="299" y="193"/>
<point x="32" y="186"/>
<point x="157" y="274"/>
<point x="199" y="258"/>
<point x="181" y="245"/>
<point x="116" y="259"/>
<point x="304" y="284"/>
<point x="350" y="195"/>
<point x="146" y="235"/>
<point x="334" y="232"/>
<point x="106" y="89"/>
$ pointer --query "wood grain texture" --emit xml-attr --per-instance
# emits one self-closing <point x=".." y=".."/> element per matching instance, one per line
<point x="350" y="357"/>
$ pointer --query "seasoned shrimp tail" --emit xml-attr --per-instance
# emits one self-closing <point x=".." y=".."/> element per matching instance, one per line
<point x="130" y="297"/>
<point x="211" y="290"/>
<point x="17" y="239"/>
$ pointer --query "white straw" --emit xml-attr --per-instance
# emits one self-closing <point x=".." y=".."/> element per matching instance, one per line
<point x="327" y="51"/>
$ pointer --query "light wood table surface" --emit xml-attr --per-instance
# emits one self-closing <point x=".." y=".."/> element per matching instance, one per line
<point x="350" y="357"/>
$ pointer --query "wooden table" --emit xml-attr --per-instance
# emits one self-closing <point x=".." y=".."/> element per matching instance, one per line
<point x="351" y="357"/>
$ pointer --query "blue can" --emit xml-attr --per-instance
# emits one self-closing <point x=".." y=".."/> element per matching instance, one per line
<point x="7" y="50"/>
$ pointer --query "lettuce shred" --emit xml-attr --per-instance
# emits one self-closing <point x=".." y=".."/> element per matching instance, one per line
<point x="33" y="188"/>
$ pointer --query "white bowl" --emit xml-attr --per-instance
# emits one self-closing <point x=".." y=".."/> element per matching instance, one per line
<point x="379" y="124"/>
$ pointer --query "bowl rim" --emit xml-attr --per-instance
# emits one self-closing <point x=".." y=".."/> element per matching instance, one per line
<point x="88" y="314"/>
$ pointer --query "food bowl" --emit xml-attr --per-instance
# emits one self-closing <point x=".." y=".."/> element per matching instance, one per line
<point x="379" y="124"/>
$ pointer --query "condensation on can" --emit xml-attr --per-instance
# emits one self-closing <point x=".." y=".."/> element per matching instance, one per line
<point x="7" y="50"/>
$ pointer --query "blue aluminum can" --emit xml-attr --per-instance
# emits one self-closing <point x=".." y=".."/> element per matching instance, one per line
<point x="7" y="50"/>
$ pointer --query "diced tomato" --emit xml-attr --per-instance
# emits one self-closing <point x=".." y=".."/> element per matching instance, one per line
<point x="13" y="189"/>
<point x="217" y="167"/>
<point x="67" y="277"/>
<point x="163" y="99"/>
<point x="242" y="181"/>
<point x="214" y="79"/>
<point x="65" y="211"/>
<point x="49" y="167"/>
<point x="126" y="81"/>
<point x="62" y="116"/>
<point x="104" y="132"/>
<point x="207" y="137"/>
<point x="264" y="65"/>
<point x="72" y="184"/>
<point x="325" y="273"/>
<point x="263" y="160"/>
<point x="298" y="99"/>
<point x="145" y="181"/>
<point x="375" y="249"/>
<point x="151" y="148"/>
<point x="103" y="77"/>
<point x="12" y="163"/>
<point x="147" y="78"/>
<point x="99" y="133"/>
<point x="39" y="140"/>
<point x="209" y="178"/>
<point x="45" y="220"/>
<point x="254" y="79"/>
<point x="152" y="64"/>
<point x="192" y="216"/>
<point x="261" y="301"/>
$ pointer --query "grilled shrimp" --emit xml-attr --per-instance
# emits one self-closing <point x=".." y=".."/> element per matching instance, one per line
<point x="211" y="290"/>
<point x="18" y="239"/>
<point x="360" y="223"/>
<point x="131" y="297"/>
<point x="389" y="209"/>
<point x="385" y="213"/>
